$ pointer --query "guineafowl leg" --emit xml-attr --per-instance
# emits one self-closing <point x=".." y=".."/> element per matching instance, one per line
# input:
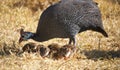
<point x="72" y="40"/>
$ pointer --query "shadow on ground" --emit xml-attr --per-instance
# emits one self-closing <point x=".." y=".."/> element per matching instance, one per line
<point x="99" y="54"/>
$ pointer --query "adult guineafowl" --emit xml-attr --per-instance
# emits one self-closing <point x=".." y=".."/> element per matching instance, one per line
<point x="65" y="19"/>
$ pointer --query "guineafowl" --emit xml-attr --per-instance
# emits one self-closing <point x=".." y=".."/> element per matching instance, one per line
<point x="44" y="51"/>
<point x="65" y="19"/>
<point x="66" y="51"/>
<point x="54" y="47"/>
<point x="29" y="47"/>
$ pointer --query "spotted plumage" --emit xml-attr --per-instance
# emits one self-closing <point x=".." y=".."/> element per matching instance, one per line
<point x="65" y="19"/>
<point x="29" y="47"/>
<point x="43" y="50"/>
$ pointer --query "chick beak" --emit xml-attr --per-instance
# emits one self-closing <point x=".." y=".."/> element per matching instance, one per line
<point x="20" y="40"/>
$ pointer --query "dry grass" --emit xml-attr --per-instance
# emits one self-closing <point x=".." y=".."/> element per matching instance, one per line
<point x="94" y="51"/>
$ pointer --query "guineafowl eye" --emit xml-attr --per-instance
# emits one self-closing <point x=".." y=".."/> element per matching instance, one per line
<point x="26" y="36"/>
<point x="22" y="36"/>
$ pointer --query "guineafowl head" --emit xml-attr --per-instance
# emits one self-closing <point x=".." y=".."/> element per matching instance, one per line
<point x="24" y="36"/>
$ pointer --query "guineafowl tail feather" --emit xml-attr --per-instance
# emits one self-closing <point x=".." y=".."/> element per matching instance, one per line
<point x="101" y="30"/>
<point x="104" y="33"/>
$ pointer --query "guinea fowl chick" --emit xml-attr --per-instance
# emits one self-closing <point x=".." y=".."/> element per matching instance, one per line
<point x="53" y="49"/>
<point x="44" y="51"/>
<point x="29" y="47"/>
<point x="66" y="51"/>
<point x="72" y="47"/>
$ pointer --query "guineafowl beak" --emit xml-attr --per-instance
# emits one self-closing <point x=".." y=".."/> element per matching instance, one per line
<point x="20" y="40"/>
